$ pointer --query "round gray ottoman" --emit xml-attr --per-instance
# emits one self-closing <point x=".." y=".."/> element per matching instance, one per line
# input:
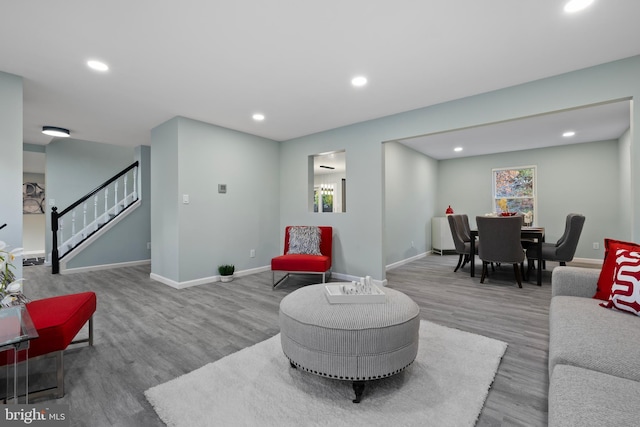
<point x="353" y="342"/>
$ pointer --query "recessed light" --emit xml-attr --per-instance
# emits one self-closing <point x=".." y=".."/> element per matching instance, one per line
<point x="577" y="5"/>
<point x="568" y="134"/>
<point x="258" y="117"/>
<point x="457" y="149"/>
<point x="55" y="131"/>
<point x="97" y="65"/>
<point x="359" y="81"/>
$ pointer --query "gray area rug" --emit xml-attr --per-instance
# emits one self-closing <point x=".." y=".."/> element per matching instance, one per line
<point x="446" y="386"/>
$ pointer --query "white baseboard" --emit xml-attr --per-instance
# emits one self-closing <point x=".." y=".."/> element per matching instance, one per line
<point x="211" y="279"/>
<point x="406" y="261"/>
<point x="186" y="284"/>
<point x="103" y="266"/>
<point x="204" y="280"/>
<point x="590" y="261"/>
<point x="253" y="271"/>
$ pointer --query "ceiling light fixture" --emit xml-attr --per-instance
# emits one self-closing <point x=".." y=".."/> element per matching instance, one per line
<point x="55" y="131"/>
<point x="97" y="65"/>
<point x="568" y="134"/>
<point x="457" y="149"/>
<point x="359" y="81"/>
<point x="258" y="117"/>
<point x="577" y="5"/>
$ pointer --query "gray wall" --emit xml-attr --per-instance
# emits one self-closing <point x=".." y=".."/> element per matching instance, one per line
<point x="625" y="208"/>
<point x="360" y="231"/>
<point x="33" y="225"/>
<point x="165" y="224"/>
<point x="358" y="238"/>
<point x="579" y="178"/>
<point x="213" y="228"/>
<point x="73" y="169"/>
<point x="11" y="162"/>
<point x="410" y="203"/>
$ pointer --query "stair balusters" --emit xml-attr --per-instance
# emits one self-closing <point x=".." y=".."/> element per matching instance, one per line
<point x="63" y="245"/>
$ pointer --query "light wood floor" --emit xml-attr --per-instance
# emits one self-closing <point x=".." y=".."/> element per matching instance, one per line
<point x="147" y="333"/>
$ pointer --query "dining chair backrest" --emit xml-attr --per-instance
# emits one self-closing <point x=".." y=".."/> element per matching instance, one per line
<point x="458" y="239"/>
<point x="500" y="237"/>
<point x="463" y="227"/>
<point x="567" y="244"/>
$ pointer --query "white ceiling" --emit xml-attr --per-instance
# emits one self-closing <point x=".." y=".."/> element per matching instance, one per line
<point x="292" y="60"/>
<point x="594" y="123"/>
<point x="337" y="161"/>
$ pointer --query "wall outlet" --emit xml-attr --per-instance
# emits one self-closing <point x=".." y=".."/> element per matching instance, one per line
<point x="252" y="253"/>
<point x="596" y="245"/>
<point x="413" y="244"/>
<point x="148" y="245"/>
<point x="185" y="199"/>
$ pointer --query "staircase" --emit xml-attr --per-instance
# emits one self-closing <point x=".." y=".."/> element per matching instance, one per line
<point x="79" y="225"/>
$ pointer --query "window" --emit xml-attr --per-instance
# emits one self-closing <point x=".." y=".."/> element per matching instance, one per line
<point x="327" y="182"/>
<point x="323" y="196"/>
<point x="514" y="191"/>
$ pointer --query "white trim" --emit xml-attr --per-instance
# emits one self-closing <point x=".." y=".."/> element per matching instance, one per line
<point x="182" y="285"/>
<point x="252" y="271"/>
<point x="406" y="261"/>
<point x="204" y="280"/>
<point x="104" y="266"/>
<point x="590" y="261"/>
<point x="212" y="279"/>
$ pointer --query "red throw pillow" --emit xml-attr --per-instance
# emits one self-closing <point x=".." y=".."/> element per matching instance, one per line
<point x="625" y="292"/>
<point x="605" y="281"/>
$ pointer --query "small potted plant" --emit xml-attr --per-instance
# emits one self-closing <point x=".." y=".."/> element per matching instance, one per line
<point x="226" y="272"/>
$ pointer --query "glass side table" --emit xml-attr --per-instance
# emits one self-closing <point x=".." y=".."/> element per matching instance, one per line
<point x="16" y="330"/>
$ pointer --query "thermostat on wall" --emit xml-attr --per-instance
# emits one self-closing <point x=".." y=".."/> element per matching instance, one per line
<point x="222" y="188"/>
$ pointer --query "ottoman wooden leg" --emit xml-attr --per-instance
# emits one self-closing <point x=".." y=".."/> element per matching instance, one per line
<point x="358" y="387"/>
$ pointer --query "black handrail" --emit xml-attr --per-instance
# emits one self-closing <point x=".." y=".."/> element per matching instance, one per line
<point x="55" y="216"/>
<point x="100" y="187"/>
<point x="2" y="226"/>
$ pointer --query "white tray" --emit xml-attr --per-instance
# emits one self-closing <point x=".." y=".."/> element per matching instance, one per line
<point x="336" y="296"/>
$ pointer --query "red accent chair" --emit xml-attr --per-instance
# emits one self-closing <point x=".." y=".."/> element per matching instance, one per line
<point x="303" y="263"/>
<point x="57" y="320"/>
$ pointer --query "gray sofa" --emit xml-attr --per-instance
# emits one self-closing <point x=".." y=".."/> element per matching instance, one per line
<point x="594" y="355"/>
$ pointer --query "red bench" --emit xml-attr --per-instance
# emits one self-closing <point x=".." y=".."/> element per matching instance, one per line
<point x="57" y="320"/>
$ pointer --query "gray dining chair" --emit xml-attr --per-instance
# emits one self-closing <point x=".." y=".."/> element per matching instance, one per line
<point x="461" y="234"/>
<point x="564" y="249"/>
<point x="501" y="243"/>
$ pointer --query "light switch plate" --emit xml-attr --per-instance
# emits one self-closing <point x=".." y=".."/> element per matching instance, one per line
<point x="185" y="199"/>
<point x="222" y="188"/>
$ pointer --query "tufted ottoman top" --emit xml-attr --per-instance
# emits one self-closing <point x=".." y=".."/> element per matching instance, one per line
<point x="310" y="305"/>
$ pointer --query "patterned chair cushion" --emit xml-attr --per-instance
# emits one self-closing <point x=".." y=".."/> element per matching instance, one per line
<point x="304" y="240"/>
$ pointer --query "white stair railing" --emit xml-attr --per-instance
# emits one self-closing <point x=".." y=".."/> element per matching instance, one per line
<point x="71" y="237"/>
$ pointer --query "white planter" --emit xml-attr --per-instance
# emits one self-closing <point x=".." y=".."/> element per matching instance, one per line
<point x="226" y="278"/>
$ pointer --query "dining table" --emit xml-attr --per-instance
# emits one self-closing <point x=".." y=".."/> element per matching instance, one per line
<point x="535" y="233"/>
